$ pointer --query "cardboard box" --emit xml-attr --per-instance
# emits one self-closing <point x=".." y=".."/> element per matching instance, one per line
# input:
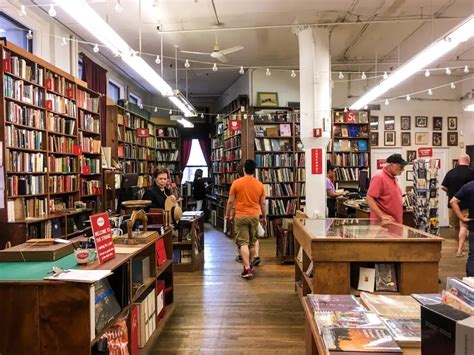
<point x="272" y="132"/>
<point x="25" y="252"/>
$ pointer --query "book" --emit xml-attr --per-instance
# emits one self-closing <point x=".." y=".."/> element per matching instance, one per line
<point x="342" y="303"/>
<point x="366" y="279"/>
<point x="385" y="277"/>
<point x="87" y="276"/>
<point x="309" y="270"/>
<point x="406" y="332"/>
<point x="106" y="305"/>
<point x="427" y="298"/>
<point x="349" y="319"/>
<point x="392" y="307"/>
<point x="275" y="145"/>
<point x="344" y="131"/>
<point x="354" y="340"/>
<point x="285" y="130"/>
<point x="362" y="145"/>
<point x="461" y="290"/>
<point x="259" y="131"/>
<point x="353" y="131"/>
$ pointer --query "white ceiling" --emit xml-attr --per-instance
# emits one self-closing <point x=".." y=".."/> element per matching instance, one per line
<point x="363" y="33"/>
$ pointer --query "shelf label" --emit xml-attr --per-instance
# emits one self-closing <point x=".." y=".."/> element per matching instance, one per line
<point x="142" y="132"/>
<point x="234" y="125"/>
<point x="102" y="233"/>
<point x="425" y="152"/>
<point x="316" y="161"/>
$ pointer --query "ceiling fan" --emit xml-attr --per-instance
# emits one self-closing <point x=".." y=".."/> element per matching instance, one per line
<point x="218" y="53"/>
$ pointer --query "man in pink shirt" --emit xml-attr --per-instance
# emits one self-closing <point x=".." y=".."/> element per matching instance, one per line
<point x="385" y="195"/>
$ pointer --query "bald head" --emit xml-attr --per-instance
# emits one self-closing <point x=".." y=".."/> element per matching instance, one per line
<point x="464" y="160"/>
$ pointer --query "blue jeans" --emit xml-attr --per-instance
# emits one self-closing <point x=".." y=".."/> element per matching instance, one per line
<point x="470" y="257"/>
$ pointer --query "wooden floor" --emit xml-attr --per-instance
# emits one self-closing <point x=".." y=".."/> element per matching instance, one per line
<point x="217" y="312"/>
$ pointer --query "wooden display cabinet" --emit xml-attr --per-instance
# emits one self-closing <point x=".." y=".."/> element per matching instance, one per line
<point x="337" y="249"/>
<point x="188" y="247"/>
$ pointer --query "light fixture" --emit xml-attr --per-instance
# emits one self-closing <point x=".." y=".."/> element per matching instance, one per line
<point x="52" y="11"/>
<point x="293" y="74"/>
<point x="453" y="86"/>
<point x="268" y="72"/>
<point x="430" y="92"/>
<point x="457" y="35"/>
<point x="345" y="109"/>
<point x="385" y="75"/>
<point x="408" y="97"/>
<point x="202" y="115"/>
<point x="466" y="69"/>
<point x="387" y="102"/>
<point x="341" y="76"/>
<point x="63" y="41"/>
<point x="185" y="123"/>
<point x="214" y="67"/>
<point x="363" y="76"/>
<point x="22" y="12"/>
<point x="448" y="71"/>
<point x="29" y="35"/>
<point x="366" y="107"/>
<point x="468" y="105"/>
<point x="218" y="116"/>
<point x="183" y="104"/>
<point x="241" y="71"/>
<point x="186" y="64"/>
<point x="158" y="60"/>
<point x="156" y="109"/>
<point x="427" y="73"/>
<point x="118" y="7"/>
<point x="251" y="117"/>
<point x="245" y="116"/>
<point x="96" y="48"/>
<point x="171" y="112"/>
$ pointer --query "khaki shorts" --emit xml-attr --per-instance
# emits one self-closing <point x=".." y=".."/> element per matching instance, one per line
<point x="246" y="230"/>
<point x="454" y="220"/>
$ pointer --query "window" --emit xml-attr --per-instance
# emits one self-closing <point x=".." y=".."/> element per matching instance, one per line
<point x="80" y="68"/>
<point x="196" y="161"/>
<point x="15" y="32"/>
<point x="134" y="99"/>
<point x="113" y="91"/>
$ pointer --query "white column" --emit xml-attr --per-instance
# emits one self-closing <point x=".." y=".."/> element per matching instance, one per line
<point x="315" y="100"/>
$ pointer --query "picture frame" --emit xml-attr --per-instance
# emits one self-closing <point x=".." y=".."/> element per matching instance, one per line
<point x="409" y="175"/>
<point x="455" y="163"/>
<point x="406" y="139"/>
<point x="437" y="123"/>
<point x="421" y="138"/>
<point x="421" y="121"/>
<point x="452" y="123"/>
<point x="437" y="139"/>
<point x="411" y="155"/>
<point x="389" y="138"/>
<point x="267" y="99"/>
<point x="389" y="123"/>
<point x="452" y="139"/>
<point x="374" y="139"/>
<point x="374" y="123"/>
<point x="405" y="123"/>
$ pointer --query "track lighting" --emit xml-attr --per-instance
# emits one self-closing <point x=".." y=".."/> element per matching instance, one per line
<point x="448" y="71"/>
<point x="363" y="76"/>
<point x="156" y="109"/>
<point x="186" y="64"/>
<point x="171" y="112"/>
<point x="430" y="92"/>
<point x="158" y="60"/>
<point x="385" y="75"/>
<point x="241" y="71"/>
<point x="466" y="69"/>
<point x="345" y="109"/>
<point x="427" y="73"/>
<point x="387" y="102"/>
<point x="202" y="115"/>
<point x="268" y="72"/>
<point x="293" y="74"/>
<point x="214" y="67"/>
<point x="408" y="98"/>
<point x="29" y="35"/>
<point x="96" y="48"/>
<point x="341" y="76"/>
<point x="52" y="11"/>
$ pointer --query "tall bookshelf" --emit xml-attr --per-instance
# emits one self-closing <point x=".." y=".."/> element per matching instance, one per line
<point x="218" y="176"/>
<point x="168" y="145"/>
<point x="39" y="137"/>
<point x="350" y="145"/>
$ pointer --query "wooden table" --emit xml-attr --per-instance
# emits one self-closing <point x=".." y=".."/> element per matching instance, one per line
<point x="314" y="343"/>
<point x="190" y="240"/>
<point x="339" y="247"/>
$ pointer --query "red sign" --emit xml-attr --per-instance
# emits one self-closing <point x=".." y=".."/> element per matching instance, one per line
<point x="143" y="132"/>
<point x="351" y="117"/>
<point x="103" y="237"/>
<point x="316" y="161"/>
<point x="234" y="125"/>
<point x="317" y="132"/>
<point x="380" y="163"/>
<point x="77" y="149"/>
<point x="425" y="152"/>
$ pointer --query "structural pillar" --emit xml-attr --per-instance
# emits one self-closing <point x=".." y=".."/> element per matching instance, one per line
<point x="315" y="111"/>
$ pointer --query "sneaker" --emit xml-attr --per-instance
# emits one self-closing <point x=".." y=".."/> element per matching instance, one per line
<point x="246" y="274"/>
<point x="256" y="261"/>
<point x="460" y="255"/>
<point x="238" y="258"/>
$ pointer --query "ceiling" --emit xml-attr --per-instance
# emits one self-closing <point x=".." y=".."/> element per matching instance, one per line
<point x="365" y="34"/>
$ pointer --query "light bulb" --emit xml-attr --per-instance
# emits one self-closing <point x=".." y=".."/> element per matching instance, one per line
<point x="385" y="75"/>
<point x="366" y="107"/>
<point x="408" y="98"/>
<point x="387" y="102"/>
<point x="156" y="109"/>
<point x="29" y="35"/>
<point x="268" y="72"/>
<point x="52" y="11"/>
<point x="22" y="12"/>
<point x="251" y="117"/>
<point x="245" y="116"/>
<point x="427" y="73"/>
<point x="363" y="76"/>
<point x="202" y="115"/>
<point x="241" y="71"/>
<point x="345" y="109"/>
<point x="430" y="92"/>
<point x="214" y="67"/>
<point x="448" y="71"/>
<point x="293" y="74"/>
<point x="158" y="60"/>
<point x="341" y="76"/>
<point x="453" y="86"/>
<point x="171" y="111"/>
<point x="466" y="69"/>
<point x="118" y="8"/>
<point x="96" y="48"/>
<point x="63" y="41"/>
<point x="186" y="64"/>
<point x="218" y="116"/>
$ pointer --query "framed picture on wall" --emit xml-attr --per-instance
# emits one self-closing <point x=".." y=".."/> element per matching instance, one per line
<point x="406" y="139"/>
<point x="452" y="124"/>
<point x="267" y="99"/>
<point x="437" y="123"/>
<point x="455" y="163"/>
<point x="452" y="139"/>
<point x="409" y="176"/>
<point x="411" y="155"/>
<point x="421" y="121"/>
<point x="421" y="138"/>
<point x="374" y="139"/>
<point x="374" y="123"/>
<point x="437" y="139"/>
<point x="389" y="138"/>
<point x="389" y="123"/>
<point x="405" y="123"/>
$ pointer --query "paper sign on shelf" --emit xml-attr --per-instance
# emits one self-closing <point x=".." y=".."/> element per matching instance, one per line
<point x="234" y="125"/>
<point x="103" y="237"/>
<point x="425" y="152"/>
<point x="316" y="161"/>
<point x="142" y="132"/>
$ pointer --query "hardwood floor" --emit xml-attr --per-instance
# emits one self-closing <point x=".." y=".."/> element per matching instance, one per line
<point x="218" y="312"/>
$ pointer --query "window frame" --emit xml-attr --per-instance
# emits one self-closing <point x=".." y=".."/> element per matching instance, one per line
<point x="134" y="98"/>
<point x="19" y="27"/>
<point x="117" y="86"/>
<point x="205" y="167"/>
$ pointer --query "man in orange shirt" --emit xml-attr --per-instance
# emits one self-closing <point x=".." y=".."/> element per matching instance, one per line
<point x="247" y="197"/>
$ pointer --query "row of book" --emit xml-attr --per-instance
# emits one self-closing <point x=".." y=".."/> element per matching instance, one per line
<point x="25" y="116"/>
<point x="62" y="164"/>
<point x="165" y="144"/>
<point x="63" y="183"/>
<point x="26" y="93"/>
<point x="88" y="122"/>
<point x="61" y="144"/>
<point x="93" y="165"/>
<point x="149" y="142"/>
<point x="167" y="156"/>
<point x="278" y="190"/>
<point x="25" y="162"/>
<point x="345" y="145"/>
<point x="167" y="132"/>
<point x="347" y="174"/>
<point x="235" y="154"/>
<point x="87" y="101"/>
<point x="89" y="144"/>
<point x="61" y="105"/>
<point x="24" y="138"/>
<point x="282" y="160"/>
<point x="351" y="159"/>
<point x="19" y="209"/>
<point x="90" y="187"/>
<point x="351" y="116"/>
<point x="58" y="84"/>
<point x="280" y="207"/>
<point x="60" y="124"/>
<point x="274" y="175"/>
<point x="26" y="185"/>
<point x="232" y="142"/>
<point x="352" y="131"/>
<point x="283" y="130"/>
<point x="273" y="145"/>
<point x="301" y="174"/>
<point x="28" y="71"/>
<point x="217" y="154"/>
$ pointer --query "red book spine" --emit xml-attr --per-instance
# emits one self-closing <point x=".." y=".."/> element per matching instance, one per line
<point x="134" y="330"/>
<point x="7" y="65"/>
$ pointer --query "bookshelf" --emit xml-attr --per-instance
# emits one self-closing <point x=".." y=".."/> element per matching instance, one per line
<point x="218" y="177"/>
<point x="188" y="244"/>
<point x="350" y="145"/>
<point x="168" y="145"/>
<point x="39" y="154"/>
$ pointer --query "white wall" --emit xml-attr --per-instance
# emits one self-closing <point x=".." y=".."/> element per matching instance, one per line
<point x="240" y="87"/>
<point x="280" y="81"/>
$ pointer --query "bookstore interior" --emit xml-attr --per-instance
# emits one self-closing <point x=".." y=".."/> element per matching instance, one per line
<point x="120" y="141"/>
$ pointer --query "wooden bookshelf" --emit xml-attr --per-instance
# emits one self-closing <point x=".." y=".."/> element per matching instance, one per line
<point x="188" y="247"/>
<point x="350" y="145"/>
<point x="168" y="150"/>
